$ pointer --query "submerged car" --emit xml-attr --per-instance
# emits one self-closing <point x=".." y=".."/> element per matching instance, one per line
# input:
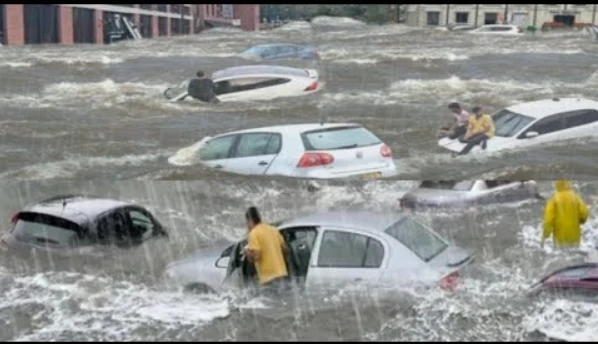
<point x="441" y="194"/>
<point x="578" y="279"/>
<point x="498" y="29"/>
<point x="69" y="224"/>
<point x="324" y="151"/>
<point x="537" y="123"/>
<point x="335" y="249"/>
<point x="281" y="51"/>
<point x="259" y="82"/>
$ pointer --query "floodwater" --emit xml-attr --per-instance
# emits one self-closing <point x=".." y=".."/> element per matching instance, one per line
<point x="120" y="295"/>
<point x="83" y="119"/>
<point x="95" y="111"/>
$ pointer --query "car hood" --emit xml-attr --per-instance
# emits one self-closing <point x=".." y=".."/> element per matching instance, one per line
<point x="203" y="255"/>
<point x="436" y="196"/>
<point x="494" y="144"/>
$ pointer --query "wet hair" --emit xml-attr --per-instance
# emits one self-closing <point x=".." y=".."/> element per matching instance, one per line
<point x="200" y="74"/>
<point x="254" y="215"/>
<point x="454" y="106"/>
<point x="476" y="109"/>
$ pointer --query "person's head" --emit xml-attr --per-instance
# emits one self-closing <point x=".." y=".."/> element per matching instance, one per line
<point x="455" y="107"/>
<point x="253" y="218"/>
<point x="562" y="185"/>
<point x="200" y="74"/>
<point x="477" y="111"/>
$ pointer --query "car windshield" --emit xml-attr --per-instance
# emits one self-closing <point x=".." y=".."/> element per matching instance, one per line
<point x="464" y="185"/>
<point x="45" y="229"/>
<point x="419" y="239"/>
<point x="338" y="138"/>
<point x="508" y="123"/>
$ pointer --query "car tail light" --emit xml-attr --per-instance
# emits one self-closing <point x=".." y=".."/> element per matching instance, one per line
<point x="449" y="282"/>
<point x="385" y="151"/>
<point x="315" y="159"/>
<point x="312" y="87"/>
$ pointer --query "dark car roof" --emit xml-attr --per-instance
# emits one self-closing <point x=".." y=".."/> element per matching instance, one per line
<point x="76" y="208"/>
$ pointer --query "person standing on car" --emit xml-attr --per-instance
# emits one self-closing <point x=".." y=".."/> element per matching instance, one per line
<point x="480" y="128"/>
<point x="459" y="125"/>
<point x="564" y="214"/>
<point x="202" y="88"/>
<point x="266" y="249"/>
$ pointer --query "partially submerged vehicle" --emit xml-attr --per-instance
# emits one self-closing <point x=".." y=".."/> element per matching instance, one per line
<point x="74" y="223"/>
<point x="322" y="151"/>
<point x="498" y="29"/>
<point x="260" y="82"/>
<point x="581" y="279"/>
<point x="537" y="123"/>
<point x="281" y="51"/>
<point x="458" y="194"/>
<point x="461" y="27"/>
<point x="335" y="249"/>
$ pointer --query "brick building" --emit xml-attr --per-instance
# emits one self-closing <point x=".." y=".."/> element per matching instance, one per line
<point x="72" y="24"/>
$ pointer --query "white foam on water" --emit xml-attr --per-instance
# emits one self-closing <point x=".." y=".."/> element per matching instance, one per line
<point x="336" y="21"/>
<point x="103" y="307"/>
<point x="567" y="320"/>
<point x="16" y="64"/>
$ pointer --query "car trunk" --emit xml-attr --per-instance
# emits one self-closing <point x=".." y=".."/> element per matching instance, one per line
<point x="361" y="159"/>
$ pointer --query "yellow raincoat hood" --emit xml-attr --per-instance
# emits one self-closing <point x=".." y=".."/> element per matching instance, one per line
<point x="564" y="214"/>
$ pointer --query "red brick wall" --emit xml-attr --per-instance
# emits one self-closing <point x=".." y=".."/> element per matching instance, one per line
<point x="99" y="29"/>
<point x="249" y="15"/>
<point x="14" y="31"/>
<point x="65" y="25"/>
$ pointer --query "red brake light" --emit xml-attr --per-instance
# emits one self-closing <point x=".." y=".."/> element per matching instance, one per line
<point x="315" y="159"/>
<point x="385" y="151"/>
<point x="449" y="282"/>
<point x="312" y="87"/>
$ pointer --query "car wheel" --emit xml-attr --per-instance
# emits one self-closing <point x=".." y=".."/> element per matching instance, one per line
<point x="198" y="288"/>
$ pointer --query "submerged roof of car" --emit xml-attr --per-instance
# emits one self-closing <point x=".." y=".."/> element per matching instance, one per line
<point x="293" y="128"/>
<point x="360" y="220"/>
<point x="269" y="45"/>
<point x="548" y="107"/>
<point x="76" y="205"/>
<point x="258" y="69"/>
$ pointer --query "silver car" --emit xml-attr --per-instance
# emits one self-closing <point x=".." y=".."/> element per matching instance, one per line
<point x="447" y="194"/>
<point x="335" y="249"/>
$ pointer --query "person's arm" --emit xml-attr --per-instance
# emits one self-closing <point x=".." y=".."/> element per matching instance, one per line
<point x="583" y="211"/>
<point x="469" y="130"/>
<point x="488" y="125"/>
<point x="548" y="220"/>
<point x="253" y="251"/>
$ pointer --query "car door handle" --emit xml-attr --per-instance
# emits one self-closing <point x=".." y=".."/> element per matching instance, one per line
<point x="218" y="166"/>
<point x="262" y="163"/>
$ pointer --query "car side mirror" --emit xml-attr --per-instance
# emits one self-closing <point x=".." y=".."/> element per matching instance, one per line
<point x="531" y="134"/>
<point x="222" y="262"/>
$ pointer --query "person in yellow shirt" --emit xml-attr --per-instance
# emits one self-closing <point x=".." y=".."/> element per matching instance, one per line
<point x="480" y="128"/>
<point x="564" y="214"/>
<point x="266" y="249"/>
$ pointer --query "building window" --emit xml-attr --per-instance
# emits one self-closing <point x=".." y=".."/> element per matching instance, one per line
<point x="462" y="17"/>
<point x="490" y="18"/>
<point x="433" y="18"/>
<point x="186" y="10"/>
<point x="163" y="8"/>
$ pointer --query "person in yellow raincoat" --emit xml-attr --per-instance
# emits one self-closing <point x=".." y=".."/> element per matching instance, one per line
<point x="564" y="214"/>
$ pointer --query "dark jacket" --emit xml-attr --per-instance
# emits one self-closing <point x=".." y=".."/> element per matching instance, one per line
<point x="202" y="89"/>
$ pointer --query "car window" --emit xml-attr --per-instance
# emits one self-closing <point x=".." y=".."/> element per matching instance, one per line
<point x="437" y="184"/>
<point x="501" y="28"/>
<point x="248" y="84"/>
<point x="578" y="118"/>
<point x="217" y="148"/>
<point x="113" y="228"/>
<point x="349" y="250"/>
<point x="417" y="238"/>
<point x="142" y="224"/>
<point x="464" y="185"/>
<point x="338" y="138"/>
<point x="256" y="144"/>
<point x="547" y="125"/>
<point x="45" y="229"/>
<point x="508" y="123"/>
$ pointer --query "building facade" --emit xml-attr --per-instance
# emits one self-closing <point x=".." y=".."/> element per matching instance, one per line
<point x="73" y="24"/>
<point x="522" y="15"/>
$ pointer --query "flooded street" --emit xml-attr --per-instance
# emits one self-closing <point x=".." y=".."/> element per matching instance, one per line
<point x="119" y="295"/>
<point x="96" y="111"/>
<point x="93" y="120"/>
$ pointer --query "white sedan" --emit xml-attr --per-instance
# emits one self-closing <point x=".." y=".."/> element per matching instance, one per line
<point x="537" y="123"/>
<point x="322" y="151"/>
<point x="498" y="29"/>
